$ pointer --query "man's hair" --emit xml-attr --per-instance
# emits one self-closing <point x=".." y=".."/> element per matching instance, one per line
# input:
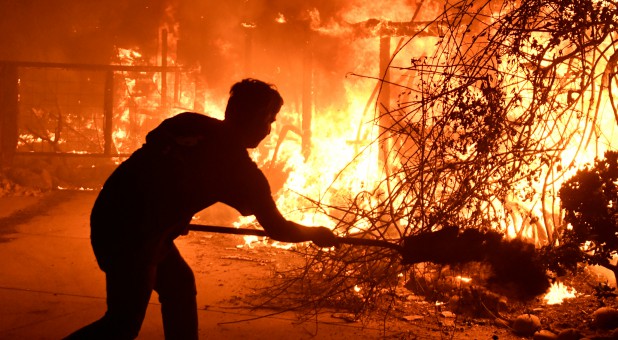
<point x="251" y="99"/>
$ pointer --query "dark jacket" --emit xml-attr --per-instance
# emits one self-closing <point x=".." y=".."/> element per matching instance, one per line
<point x="188" y="163"/>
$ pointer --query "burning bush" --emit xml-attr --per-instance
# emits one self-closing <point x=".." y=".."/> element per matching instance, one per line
<point x="590" y="203"/>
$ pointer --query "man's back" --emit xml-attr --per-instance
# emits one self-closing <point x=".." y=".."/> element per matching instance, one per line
<point x="187" y="164"/>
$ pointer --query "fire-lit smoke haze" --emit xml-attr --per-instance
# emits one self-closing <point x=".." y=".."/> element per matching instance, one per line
<point x="327" y="59"/>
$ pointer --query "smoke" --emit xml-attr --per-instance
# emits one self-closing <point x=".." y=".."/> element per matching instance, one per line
<point x="275" y="40"/>
<point x="77" y="31"/>
<point x="270" y="40"/>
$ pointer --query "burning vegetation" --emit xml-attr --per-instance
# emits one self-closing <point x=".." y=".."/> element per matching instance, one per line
<point x="401" y="122"/>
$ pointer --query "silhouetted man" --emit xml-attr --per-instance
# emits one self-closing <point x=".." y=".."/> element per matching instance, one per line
<point x="188" y="163"/>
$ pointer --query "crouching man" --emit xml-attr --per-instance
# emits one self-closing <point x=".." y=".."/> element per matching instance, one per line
<point x="188" y="163"/>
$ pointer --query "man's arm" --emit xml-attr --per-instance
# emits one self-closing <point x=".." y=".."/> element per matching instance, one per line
<point x="283" y="230"/>
<point x="248" y="191"/>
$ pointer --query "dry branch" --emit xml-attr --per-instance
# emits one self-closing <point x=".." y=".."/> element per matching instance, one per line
<point x="481" y="125"/>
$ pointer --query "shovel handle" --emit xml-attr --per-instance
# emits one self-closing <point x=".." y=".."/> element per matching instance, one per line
<point x="260" y="232"/>
<point x="226" y="230"/>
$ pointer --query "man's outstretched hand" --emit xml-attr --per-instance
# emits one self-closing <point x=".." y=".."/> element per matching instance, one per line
<point x="323" y="237"/>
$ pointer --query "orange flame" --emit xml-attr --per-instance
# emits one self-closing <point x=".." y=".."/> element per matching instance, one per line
<point x="343" y="161"/>
<point x="558" y="292"/>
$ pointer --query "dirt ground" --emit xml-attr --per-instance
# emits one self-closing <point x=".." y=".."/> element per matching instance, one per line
<point x="50" y="285"/>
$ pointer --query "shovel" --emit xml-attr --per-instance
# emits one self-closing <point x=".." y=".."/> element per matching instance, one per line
<point x="260" y="232"/>
<point x="514" y="262"/>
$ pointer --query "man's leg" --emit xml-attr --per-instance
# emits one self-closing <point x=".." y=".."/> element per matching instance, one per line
<point x="128" y="292"/>
<point x="175" y="284"/>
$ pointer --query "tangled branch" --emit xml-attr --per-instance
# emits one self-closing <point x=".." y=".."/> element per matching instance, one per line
<point x="484" y="129"/>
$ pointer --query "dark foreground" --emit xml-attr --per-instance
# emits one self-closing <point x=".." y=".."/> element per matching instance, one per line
<point x="50" y="284"/>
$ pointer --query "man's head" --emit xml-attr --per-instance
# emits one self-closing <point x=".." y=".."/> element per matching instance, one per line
<point x="251" y="109"/>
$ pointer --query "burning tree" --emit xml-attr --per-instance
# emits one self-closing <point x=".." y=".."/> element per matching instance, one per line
<point x="487" y="124"/>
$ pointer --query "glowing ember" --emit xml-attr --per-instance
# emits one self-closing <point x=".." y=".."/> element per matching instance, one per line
<point x="250" y="240"/>
<point x="80" y="188"/>
<point x="280" y="18"/>
<point x="464" y="279"/>
<point x="558" y="292"/>
<point x="127" y="56"/>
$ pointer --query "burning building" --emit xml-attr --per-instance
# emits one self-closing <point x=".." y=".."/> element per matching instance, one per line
<point x="95" y="84"/>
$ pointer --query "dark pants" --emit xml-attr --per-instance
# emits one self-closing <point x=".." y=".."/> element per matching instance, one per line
<point x="129" y="287"/>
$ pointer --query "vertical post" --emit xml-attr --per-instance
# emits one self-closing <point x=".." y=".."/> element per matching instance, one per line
<point x="384" y="99"/>
<point x="199" y="94"/>
<point x="164" y="69"/>
<point x="386" y="123"/>
<point x="176" y="87"/>
<point x="307" y="96"/>
<point x="108" y="112"/>
<point x="9" y="110"/>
